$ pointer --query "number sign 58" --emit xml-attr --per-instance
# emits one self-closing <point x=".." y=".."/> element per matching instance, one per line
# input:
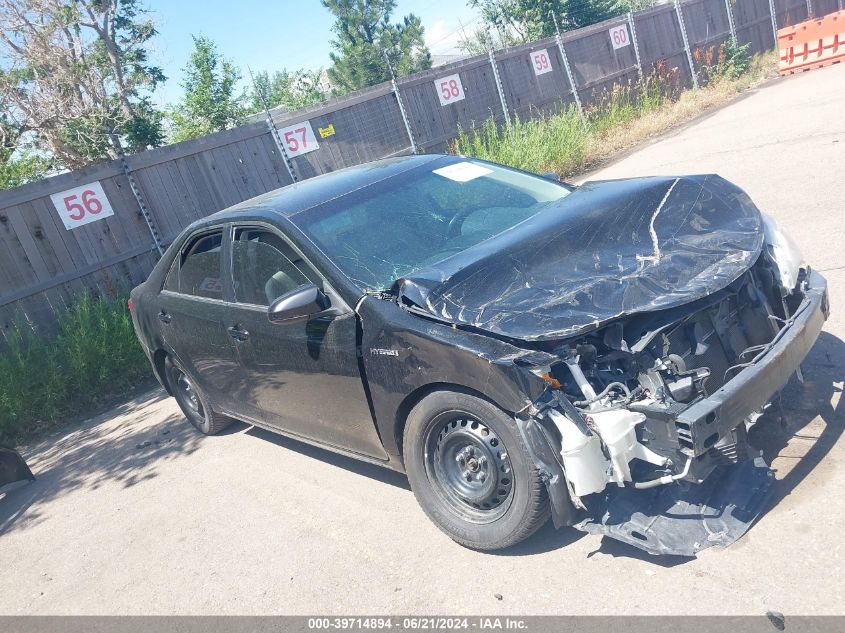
<point x="81" y="205"/>
<point x="540" y="62"/>
<point x="299" y="138"/>
<point x="449" y="89"/>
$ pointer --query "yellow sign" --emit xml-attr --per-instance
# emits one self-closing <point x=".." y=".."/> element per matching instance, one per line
<point x="326" y="131"/>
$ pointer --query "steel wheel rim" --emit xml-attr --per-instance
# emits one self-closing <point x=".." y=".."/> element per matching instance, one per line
<point x="187" y="394"/>
<point x="469" y="466"/>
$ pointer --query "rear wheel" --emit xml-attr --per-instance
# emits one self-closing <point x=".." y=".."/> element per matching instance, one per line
<point x="192" y="401"/>
<point x="471" y="472"/>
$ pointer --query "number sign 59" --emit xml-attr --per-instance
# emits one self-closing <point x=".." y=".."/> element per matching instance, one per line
<point x="449" y="89"/>
<point x="81" y="205"/>
<point x="540" y="62"/>
<point x="619" y="36"/>
<point x="299" y="138"/>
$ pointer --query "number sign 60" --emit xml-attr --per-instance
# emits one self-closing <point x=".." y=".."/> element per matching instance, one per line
<point x="619" y="36"/>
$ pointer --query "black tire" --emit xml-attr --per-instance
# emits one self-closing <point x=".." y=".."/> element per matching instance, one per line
<point x="446" y="436"/>
<point x="192" y="401"/>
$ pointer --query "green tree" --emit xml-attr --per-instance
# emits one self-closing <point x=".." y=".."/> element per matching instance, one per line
<point x="363" y="32"/>
<point x="18" y="163"/>
<point x="290" y="89"/>
<point x="20" y="169"/>
<point x="521" y="21"/>
<point x="76" y="77"/>
<point x="211" y="103"/>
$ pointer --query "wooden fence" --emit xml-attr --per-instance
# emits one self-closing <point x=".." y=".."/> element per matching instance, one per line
<point x="155" y="194"/>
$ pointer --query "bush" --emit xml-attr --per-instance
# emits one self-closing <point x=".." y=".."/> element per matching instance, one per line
<point x="94" y="357"/>
<point x="732" y="61"/>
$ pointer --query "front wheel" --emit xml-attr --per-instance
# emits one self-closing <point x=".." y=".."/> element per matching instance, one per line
<point x="472" y="473"/>
<point x="192" y="401"/>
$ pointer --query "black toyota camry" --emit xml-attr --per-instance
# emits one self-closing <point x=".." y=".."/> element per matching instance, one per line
<point x="520" y="347"/>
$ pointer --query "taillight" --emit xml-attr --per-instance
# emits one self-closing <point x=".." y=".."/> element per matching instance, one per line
<point x="129" y="305"/>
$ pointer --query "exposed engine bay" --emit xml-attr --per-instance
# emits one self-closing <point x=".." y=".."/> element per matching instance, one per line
<point x="630" y="393"/>
<point x="651" y="415"/>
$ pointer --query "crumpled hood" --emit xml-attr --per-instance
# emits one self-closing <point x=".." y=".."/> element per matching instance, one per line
<point x="609" y="249"/>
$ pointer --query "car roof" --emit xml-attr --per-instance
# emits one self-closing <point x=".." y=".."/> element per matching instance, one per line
<point x="298" y="197"/>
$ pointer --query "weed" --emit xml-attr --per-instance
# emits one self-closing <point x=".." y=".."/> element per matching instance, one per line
<point x="566" y="144"/>
<point x="93" y="357"/>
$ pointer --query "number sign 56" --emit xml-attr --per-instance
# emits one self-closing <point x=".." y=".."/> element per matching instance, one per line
<point x="81" y="205"/>
<point x="449" y="89"/>
<point x="299" y="138"/>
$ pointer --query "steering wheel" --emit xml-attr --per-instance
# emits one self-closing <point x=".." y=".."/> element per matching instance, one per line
<point x="454" y="228"/>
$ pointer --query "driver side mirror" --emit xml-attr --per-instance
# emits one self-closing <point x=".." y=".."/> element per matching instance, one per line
<point x="306" y="300"/>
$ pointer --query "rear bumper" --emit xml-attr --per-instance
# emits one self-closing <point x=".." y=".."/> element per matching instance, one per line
<point x="702" y="424"/>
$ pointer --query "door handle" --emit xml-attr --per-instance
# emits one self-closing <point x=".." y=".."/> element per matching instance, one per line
<point x="164" y="317"/>
<point x="238" y="334"/>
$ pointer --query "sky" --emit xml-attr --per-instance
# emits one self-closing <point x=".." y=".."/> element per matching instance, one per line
<point x="275" y="34"/>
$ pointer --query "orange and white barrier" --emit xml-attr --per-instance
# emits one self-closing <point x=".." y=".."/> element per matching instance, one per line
<point x="812" y="44"/>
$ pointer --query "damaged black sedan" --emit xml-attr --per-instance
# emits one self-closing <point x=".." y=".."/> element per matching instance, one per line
<point x="521" y="348"/>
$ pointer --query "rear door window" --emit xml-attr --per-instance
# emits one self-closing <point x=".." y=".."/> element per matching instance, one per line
<point x="196" y="272"/>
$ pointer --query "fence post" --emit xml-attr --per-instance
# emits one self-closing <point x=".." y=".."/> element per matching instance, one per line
<point x="680" y="14"/>
<point x="273" y="131"/>
<point x="636" y="44"/>
<point x="566" y="67"/>
<point x="401" y="107"/>
<point x="731" y="24"/>
<point x="139" y="196"/>
<point x="774" y="13"/>
<point x="498" y="81"/>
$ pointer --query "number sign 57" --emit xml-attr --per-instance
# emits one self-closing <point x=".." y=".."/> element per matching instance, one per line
<point x="81" y="205"/>
<point x="449" y="89"/>
<point x="299" y="138"/>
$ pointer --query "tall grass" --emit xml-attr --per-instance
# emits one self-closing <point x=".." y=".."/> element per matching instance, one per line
<point x="93" y="358"/>
<point x="560" y="142"/>
<point x="550" y="143"/>
<point x="567" y="144"/>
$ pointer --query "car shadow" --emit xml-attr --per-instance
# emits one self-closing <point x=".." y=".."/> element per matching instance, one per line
<point x="790" y="419"/>
<point x="365" y="469"/>
<point x="127" y="445"/>
<point x="546" y="539"/>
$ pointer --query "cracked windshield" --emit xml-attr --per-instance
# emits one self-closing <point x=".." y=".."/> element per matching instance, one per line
<point x="397" y="227"/>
